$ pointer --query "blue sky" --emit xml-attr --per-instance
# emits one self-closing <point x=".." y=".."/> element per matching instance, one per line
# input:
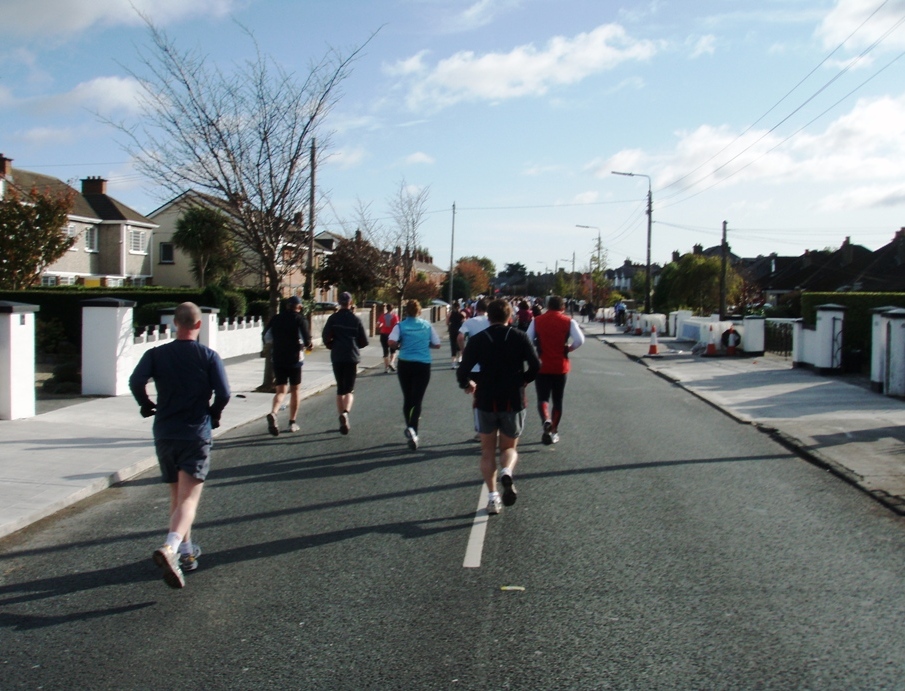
<point x="785" y="118"/>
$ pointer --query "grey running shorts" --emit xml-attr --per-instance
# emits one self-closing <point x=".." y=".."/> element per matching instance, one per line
<point x="509" y="423"/>
<point x="190" y="455"/>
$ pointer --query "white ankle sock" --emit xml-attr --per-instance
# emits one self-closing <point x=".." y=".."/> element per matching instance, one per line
<point x="185" y="547"/>
<point x="173" y="540"/>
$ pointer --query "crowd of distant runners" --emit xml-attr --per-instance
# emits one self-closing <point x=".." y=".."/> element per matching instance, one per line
<point x="497" y="348"/>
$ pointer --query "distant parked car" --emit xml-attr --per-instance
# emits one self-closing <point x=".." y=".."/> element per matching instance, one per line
<point x="325" y="306"/>
<point x="442" y="303"/>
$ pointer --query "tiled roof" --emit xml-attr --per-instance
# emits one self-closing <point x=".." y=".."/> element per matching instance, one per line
<point x="100" y="206"/>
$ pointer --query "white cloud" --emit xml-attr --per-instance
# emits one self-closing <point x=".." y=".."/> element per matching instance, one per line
<point x="533" y="170"/>
<point x="524" y="71"/>
<point x="704" y="45"/>
<point x="419" y="157"/>
<point x="49" y="136"/>
<point x="481" y="13"/>
<point x="586" y="197"/>
<point x="866" y="144"/>
<point x="848" y="15"/>
<point x="66" y="17"/>
<point x="347" y="158"/>
<point x="104" y="95"/>
<point x="864" y="197"/>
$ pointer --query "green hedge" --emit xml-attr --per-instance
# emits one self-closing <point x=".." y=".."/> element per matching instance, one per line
<point x="856" y="331"/>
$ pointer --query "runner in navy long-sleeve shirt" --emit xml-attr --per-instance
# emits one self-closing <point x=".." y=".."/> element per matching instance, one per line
<point x="186" y="374"/>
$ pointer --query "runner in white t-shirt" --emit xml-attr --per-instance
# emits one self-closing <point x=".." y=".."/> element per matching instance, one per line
<point x="474" y="325"/>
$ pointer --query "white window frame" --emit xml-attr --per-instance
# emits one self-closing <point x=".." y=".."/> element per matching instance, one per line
<point x="137" y="239"/>
<point x="92" y="239"/>
<point x="71" y="232"/>
<point x="48" y="280"/>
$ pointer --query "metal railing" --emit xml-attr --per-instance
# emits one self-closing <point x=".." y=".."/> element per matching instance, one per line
<point x="778" y="338"/>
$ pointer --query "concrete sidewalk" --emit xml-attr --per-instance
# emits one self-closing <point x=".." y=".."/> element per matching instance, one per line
<point x="57" y="458"/>
<point x="835" y="421"/>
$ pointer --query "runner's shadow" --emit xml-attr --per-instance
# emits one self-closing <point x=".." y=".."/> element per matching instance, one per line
<point x="407" y="530"/>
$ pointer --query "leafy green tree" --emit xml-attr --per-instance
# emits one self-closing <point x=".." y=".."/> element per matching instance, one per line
<point x="694" y="283"/>
<point x="32" y="235"/>
<point x="205" y="235"/>
<point x="355" y="265"/>
<point x="461" y="289"/>
<point x="561" y="285"/>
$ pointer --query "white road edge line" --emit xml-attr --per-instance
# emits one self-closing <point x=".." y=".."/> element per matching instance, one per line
<point x="478" y="530"/>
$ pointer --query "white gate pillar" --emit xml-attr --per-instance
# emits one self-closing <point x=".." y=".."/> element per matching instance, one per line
<point x="830" y="319"/>
<point x="895" y="352"/>
<point x="17" y="360"/>
<point x="107" y="357"/>
<point x="878" y="335"/>
<point x="755" y="338"/>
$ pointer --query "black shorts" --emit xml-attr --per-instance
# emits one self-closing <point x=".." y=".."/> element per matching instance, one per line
<point x="345" y="373"/>
<point x="287" y="375"/>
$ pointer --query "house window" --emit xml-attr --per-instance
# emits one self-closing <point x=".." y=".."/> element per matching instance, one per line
<point x="137" y="241"/>
<point x="48" y="280"/>
<point x="167" y="255"/>
<point x="91" y="244"/>
<point x="71" y="232"/>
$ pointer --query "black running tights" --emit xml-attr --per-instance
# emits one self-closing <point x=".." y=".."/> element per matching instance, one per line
<point x="550" y="386"/>
<point x="413" y="378"/>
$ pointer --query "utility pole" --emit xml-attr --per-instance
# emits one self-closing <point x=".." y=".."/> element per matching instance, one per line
<point x="650" y="215"/>
<point x="724" y="252"/>
<point x="452" y="243"/>
<point x="650" y="220"/>
<point x="309" y="284"/>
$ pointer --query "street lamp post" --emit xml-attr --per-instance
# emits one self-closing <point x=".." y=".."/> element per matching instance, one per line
<point x="650" y="214"/>
<point x="595" y="294"/>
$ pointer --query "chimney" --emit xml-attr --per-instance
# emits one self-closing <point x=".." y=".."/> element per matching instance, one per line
<point x="847" y="251"/>
<point x="698" y="249"/>
<point x="676" y="256"/>
<point x="6" y="166"/>
<point x="94" y="185"/>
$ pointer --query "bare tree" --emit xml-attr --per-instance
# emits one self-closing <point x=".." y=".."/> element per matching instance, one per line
<point x="407" y="209"/>
<point x="243" y="137"/>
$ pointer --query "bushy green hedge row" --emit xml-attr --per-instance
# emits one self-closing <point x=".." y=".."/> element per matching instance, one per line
<point x="856" y="331"/>
<point x="59" y="320"/>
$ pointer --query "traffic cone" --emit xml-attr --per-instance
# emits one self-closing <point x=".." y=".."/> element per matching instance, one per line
<point x="654" y="349"/>
<point x="730" y="343"/>
<point x="711" y="346"/>
<point x="637" y="325"/>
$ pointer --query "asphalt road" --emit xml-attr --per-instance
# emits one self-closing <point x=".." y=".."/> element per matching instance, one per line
<point x="660" y="545"/>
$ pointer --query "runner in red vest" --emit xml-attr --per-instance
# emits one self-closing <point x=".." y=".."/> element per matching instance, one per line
<point x="551" y="333"/>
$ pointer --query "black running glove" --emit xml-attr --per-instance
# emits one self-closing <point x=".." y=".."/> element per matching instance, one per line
<point x="148" y="409"/>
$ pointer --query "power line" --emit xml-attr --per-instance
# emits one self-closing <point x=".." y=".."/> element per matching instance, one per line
<point x="843" y="71"/>
<point x="775" y="105"/>
<point x="796" y="132"/>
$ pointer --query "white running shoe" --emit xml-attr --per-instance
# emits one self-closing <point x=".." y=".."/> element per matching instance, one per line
<point x="412" y="436"/>
<point x="166" y="559"/>
<point x="494" y="505"/>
